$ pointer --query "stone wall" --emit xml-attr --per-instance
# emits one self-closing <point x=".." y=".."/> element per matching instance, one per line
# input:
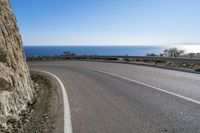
<point x="15" y="82"/>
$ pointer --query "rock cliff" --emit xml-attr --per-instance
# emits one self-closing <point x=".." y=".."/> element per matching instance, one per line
<point x="15" y="82"/>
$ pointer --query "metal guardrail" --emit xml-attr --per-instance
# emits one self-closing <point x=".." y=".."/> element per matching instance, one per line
<point x="142" y="58"/>
<point x="179" y="60"/>
<point x="149" y="58"/>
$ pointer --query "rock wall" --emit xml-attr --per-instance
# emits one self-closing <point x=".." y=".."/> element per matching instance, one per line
<point x="15" y="82"/>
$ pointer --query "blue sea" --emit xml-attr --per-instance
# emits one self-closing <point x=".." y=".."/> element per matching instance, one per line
<point x="91" y="50"/>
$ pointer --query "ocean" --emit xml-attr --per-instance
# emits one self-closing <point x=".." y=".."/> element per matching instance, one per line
<point x="91" y="50"/>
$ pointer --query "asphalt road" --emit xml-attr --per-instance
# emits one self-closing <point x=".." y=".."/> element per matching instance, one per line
<point x="102" y="103"/>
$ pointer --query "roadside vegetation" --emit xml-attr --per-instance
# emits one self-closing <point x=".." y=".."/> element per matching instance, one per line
<point x="171" y="58"/>
<point x="178" y="53"/>
<point x="175" y="52"/>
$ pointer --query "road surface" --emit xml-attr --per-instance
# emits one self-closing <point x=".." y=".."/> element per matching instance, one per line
<point x="106" y="103"/>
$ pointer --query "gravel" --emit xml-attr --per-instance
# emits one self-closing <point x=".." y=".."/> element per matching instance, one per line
<point x="41" y="114"/>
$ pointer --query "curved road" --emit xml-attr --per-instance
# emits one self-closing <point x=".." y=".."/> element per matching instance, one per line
<point x="103" y="103"/>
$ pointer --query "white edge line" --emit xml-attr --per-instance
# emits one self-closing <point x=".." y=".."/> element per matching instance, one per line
<point x="156" y="88"/>
<point x="67" y="116"/>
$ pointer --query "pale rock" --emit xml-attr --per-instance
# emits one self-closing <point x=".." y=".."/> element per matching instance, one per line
<point x="15" y="81"/>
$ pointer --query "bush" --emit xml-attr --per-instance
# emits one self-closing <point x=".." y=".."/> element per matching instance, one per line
<point x="197" y="70"/>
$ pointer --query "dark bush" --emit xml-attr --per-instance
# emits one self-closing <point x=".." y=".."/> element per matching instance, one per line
<point x="197" y="70"/>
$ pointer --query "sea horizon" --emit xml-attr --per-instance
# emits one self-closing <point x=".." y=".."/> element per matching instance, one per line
<point x="92" y="50"/>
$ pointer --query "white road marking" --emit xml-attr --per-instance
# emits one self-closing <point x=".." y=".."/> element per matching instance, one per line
<point x="156" y="88"/>
<point x="67" y="116"/>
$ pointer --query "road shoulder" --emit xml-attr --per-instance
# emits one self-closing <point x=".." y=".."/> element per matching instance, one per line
<point x="44" y="114"/>
<point x="47" y="116"/>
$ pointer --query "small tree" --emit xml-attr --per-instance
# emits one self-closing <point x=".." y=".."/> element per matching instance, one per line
<point x="191" y="55"/>
<point x="173" y="52"/>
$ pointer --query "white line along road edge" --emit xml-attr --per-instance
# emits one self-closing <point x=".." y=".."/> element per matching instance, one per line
<point x="156" y="88"/>
<point x="67" y="116"/>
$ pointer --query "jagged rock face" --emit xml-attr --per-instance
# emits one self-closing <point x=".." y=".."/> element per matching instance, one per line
<point x="15" y="82"/>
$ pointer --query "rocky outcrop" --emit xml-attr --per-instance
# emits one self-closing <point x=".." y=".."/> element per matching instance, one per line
<point x="15" y="82"/>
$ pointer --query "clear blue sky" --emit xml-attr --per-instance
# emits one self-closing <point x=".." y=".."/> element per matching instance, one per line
<point x="108" y="22"/>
